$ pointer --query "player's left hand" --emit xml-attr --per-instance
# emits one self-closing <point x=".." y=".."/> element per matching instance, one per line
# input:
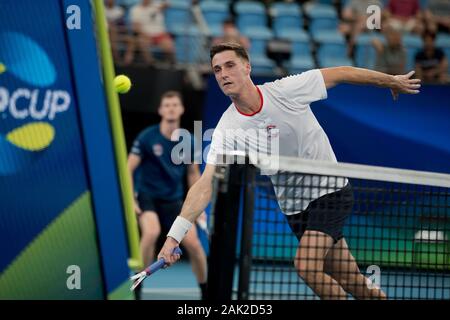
<point x="404" y="84"/>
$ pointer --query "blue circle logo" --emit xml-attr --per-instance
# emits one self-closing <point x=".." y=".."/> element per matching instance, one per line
<point x="25" y="59"/>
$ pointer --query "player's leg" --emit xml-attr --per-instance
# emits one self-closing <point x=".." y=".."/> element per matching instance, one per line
<point x="341" y="265"/>
<point x="309" y="263"/>
<point x="150" y="226"/>
<point x="150" y="231"/>
<point x="324" y="218"/>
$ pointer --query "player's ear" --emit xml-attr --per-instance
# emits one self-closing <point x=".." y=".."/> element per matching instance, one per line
<point x="248" y="67"/>
<point x="160" y="111"/>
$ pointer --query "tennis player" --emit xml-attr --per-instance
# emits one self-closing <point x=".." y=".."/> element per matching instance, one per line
<point x="322" y="259"/>
<point x="160" y="184"/>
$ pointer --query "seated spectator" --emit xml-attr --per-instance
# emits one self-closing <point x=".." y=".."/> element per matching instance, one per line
<point x="437" y="16"/>
<point x="354" y="18"/>
<point x="114" y="14"/>
<point x="148" y="26"/>
<point x="231" y="34"/>
<point x="404" y="16"/>
<point x="431" y="63"/>
<point x="391" y="57"/>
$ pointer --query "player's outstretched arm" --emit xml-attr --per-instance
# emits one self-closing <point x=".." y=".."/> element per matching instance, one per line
<point x="397" y="84"/>
<point x="196" y="201"/>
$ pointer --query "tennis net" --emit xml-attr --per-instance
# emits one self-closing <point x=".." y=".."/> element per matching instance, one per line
<point x="395" y="223"/>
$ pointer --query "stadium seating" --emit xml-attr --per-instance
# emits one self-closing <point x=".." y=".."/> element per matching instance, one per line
<point x="287" y="23"/>
<point x="286" y="16"/>
<point x="300" y="64"/>
<point x="258" y="39"/>
<point x="178" y="15"/>
<point x="412" y="44"/>
<point x="332" y="49"/>
<point x="250" y="14"/>
<point x="321" y="16"/>
<point x="190" y="46"/>
<point x="365" y="54"/>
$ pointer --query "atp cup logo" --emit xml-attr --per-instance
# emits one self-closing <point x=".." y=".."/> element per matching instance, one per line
<point x="22" y="60"/>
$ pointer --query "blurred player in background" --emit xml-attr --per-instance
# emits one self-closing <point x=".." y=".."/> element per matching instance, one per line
<point x="160" y="183"/>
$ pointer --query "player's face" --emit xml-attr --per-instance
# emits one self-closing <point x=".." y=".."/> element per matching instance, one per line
<point x="230" y="71"/>
<point x="171" y="109"/>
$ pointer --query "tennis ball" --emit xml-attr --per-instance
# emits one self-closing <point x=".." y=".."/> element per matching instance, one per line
<point x="122" y="83"/>
<point x="2" y="68"/>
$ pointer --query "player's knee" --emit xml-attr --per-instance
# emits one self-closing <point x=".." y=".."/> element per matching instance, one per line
<point x="306" y="269"/>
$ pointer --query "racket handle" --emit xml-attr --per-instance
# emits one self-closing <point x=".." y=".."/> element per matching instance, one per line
<point x="160" y="263"/>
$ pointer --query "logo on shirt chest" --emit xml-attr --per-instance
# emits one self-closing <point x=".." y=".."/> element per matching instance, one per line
<point x="158" y="150"/>
<point x="272" y="131"/>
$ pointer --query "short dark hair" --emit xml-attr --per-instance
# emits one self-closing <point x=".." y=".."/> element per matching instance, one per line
<point x="171" y="94"/>
<point x="233" y="46"/>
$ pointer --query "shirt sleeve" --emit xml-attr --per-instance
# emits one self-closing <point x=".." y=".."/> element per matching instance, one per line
<point x="222" y="141"/>
<point x="302" y="89"/>
<point x="216" y="147"/>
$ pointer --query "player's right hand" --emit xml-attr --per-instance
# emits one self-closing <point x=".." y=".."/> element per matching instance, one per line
<point x="167" y="252"/>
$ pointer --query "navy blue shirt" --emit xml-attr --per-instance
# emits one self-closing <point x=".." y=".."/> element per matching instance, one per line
<point x="159" y="175"/>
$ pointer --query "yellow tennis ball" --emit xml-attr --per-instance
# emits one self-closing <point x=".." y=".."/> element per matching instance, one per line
<point x="122" y="83"/>
<point x="2" y="68"/>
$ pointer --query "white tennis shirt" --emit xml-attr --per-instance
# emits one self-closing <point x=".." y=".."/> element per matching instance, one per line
<point x="284" y="117"/>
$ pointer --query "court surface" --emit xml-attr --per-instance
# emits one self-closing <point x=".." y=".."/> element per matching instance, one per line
<point x="178" y="283"/>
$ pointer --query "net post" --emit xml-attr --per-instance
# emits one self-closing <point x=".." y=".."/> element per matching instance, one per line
<point x="224" y="223"/>
<point x="245" y="259"/>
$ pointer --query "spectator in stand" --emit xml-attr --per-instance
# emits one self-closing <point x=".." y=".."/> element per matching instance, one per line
<point x="231" y="34"/>
<point x="437" y="16"/>
<point x="147" y="20"/>
<point x="114" y="17"/>
<point x="117" y="29"/>
<point x="391" y="57"/>
<point x="404" y="16"/>
<point x="431" y="63"/>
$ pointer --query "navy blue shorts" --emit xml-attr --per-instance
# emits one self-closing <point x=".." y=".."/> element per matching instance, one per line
<point x="167" y="210"/>
<point x="327" y="214"/>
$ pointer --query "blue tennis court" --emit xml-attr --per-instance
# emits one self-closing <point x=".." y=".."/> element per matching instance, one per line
<point x="285" y="284"/>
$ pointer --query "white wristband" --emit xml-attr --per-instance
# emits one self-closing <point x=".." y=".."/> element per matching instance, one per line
<point x="179" y="228"/>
